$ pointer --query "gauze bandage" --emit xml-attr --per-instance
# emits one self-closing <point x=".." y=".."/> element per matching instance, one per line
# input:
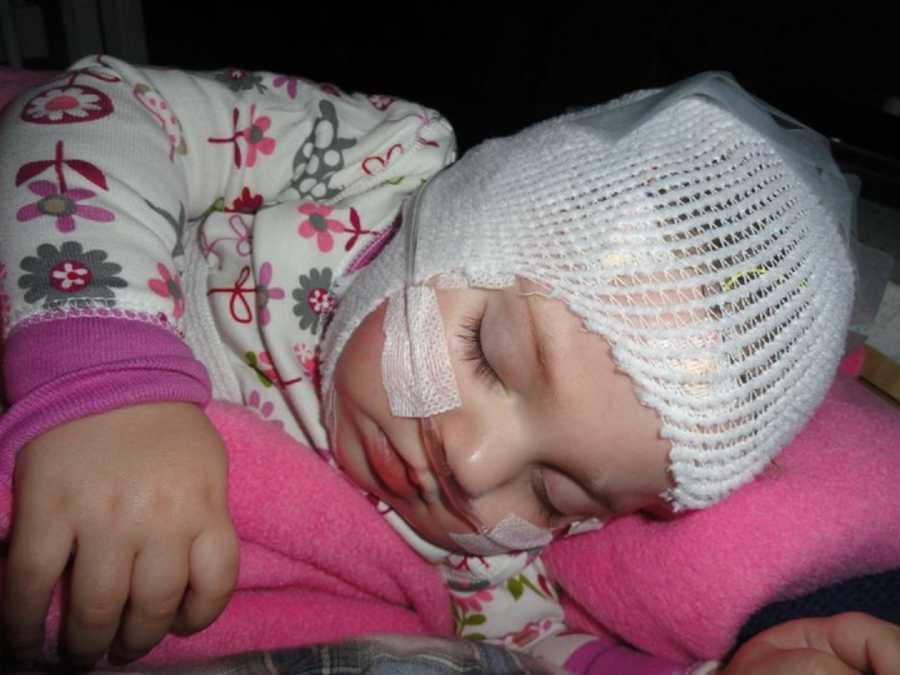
<point x="732" y="212"/>
<point x="510" y="534"/>
<point x="415" y="363"/>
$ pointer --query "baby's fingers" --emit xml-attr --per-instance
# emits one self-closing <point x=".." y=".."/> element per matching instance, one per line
<point x="864" y="642"/>
<point x="37" y="556"/>
<point x="101" y="577"/>
<point x="158" y="581"/>
<point x="213" y="575"/>
<point x="840" y="644"/>
<point x="763" y="658"/>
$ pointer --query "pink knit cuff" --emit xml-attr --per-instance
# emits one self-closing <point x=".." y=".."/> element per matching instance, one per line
<point x="62" y="370"/>
<point x="606" y="656"/>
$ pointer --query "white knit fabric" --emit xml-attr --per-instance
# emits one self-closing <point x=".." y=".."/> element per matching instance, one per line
<point x="710" y="256"/>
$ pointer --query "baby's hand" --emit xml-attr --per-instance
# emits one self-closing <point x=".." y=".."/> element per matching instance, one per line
<point x="138" y="498"/>
<point x="843" y="644"/>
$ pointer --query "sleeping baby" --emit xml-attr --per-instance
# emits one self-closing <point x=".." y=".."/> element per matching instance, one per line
<point x="630" y="308"/>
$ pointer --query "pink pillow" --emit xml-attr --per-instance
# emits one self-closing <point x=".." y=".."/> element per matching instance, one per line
<point x="15" y="80"/>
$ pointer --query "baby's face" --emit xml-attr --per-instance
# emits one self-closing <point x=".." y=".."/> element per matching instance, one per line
<point x="549" y="430"/>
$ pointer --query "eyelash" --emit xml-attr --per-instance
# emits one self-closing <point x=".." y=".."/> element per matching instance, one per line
<point x="471" y="335"/>
<point x="550" y="512"/>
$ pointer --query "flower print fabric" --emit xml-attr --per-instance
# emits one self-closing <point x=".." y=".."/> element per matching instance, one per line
<point x="177" y="200"/>
<point x="59" y="200"/>
<point x="289" y="83"/>
<point x="315" y="300"/>
<point x="159" y="108"/>
<point x="238" y="80"/>
<point x="247" y="202"/>
<point x="253" y="136"/>
<point x="321" y="156"/>
<point x="69" y="275"/>
<point x="57" y="104"/>
<point x="178" y="225"/>
<point x="62" y="205"/>
<point x="169" y="286"/>
<point x="318" y="225"/>
<point x="264" y="292"/>
<point x="79" y="234"/>
<point x="70" y="98"/>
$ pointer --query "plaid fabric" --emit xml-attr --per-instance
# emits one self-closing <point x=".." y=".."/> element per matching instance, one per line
<point x="386" y="655"/>
<point x="396" y="655"/>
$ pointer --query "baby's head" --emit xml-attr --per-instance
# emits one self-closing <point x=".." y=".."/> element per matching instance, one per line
<point x="637" y="305"/>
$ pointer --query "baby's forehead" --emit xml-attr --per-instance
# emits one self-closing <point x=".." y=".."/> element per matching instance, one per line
<point x="663" y="299"/>
<point x="535" y="318"/>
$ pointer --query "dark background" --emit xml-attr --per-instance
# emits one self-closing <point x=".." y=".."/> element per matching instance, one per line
<point x="494" y="67"/>
<point x="492" y="71"/>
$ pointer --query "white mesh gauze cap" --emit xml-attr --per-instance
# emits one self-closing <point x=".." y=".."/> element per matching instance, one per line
<point x="702" y="234"/>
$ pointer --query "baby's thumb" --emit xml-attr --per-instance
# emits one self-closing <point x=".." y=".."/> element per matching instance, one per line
<point x="214" y="561"/>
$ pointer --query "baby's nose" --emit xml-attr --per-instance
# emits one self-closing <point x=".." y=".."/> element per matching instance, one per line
<point x="486" y="456"/>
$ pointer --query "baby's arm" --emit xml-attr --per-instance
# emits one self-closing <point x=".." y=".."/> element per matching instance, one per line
<point x="95" y="192"/>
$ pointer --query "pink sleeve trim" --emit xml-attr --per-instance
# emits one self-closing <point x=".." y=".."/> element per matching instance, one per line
<point x="58" y="371"/>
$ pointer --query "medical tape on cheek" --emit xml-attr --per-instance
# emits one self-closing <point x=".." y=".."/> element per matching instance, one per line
<point x="415" y="363"/>
<point x="510" y="534"/>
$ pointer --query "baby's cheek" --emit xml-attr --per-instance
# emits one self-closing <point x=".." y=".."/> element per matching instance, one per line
<point x="359" y="367"/>
<point x="570" y="498"/>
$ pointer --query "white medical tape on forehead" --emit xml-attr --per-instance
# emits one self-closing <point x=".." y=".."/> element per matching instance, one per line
<point x="510" y="534"/>
<point x="415" y="363"/>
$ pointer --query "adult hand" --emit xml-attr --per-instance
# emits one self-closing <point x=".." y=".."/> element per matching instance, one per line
<point x="843" y="644"/>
